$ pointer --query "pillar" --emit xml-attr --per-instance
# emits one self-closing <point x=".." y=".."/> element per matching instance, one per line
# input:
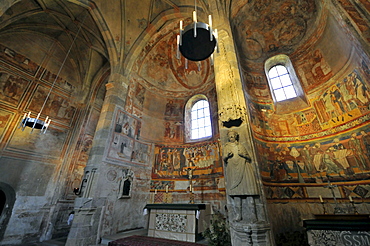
<point x="246" y="204"/>
<point x="89" y="207"/>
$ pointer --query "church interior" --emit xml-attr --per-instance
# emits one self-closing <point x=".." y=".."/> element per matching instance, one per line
<point x="116" y="101"/>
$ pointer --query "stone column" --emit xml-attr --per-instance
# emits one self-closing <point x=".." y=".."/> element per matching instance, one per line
<point x="90" y="206"/>
<point x="246" y="203"/>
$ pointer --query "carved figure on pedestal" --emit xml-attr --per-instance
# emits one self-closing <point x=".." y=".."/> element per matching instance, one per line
<point x="240" y="177"/>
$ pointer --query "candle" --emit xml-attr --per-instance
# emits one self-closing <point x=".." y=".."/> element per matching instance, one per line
<point x="194" y="16"/>
<point x="210" y="20"/>
<point x="350" y="198"/>
<point x="321" y="200"/>
<point x="181" y="25"/>
<point x="166" y="188"/>
<point x="155" y="191"/>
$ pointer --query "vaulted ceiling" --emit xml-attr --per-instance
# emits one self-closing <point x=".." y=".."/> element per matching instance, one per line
<point x="261" y="28"/>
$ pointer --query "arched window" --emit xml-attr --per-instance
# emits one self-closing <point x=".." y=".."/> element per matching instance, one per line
<point x="286" y="90"/>
<point x="282" y="85"/>
<point x="198" y="123"/>
<point x="200" y="120"/>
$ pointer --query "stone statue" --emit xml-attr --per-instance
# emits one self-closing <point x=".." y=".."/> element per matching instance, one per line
<point x="240" y="177"/>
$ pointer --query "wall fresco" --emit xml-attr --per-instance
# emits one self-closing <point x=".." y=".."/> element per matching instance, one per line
<point x="172" y="162"/>
<point x="342" y="158"/>
<point x="271" y="25"/>
<point x="339" y="107"/>
<point x="57" y="106"/>
<point x="124" y="141"/>
<point x="18" y="60"/>
<point x="4" y="121"/>
<point x="12" y="88"/>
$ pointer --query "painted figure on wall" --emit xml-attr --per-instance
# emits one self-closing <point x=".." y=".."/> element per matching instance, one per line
<point x="170" y="162"/>
<point x="355" y="145"/>
<point x="240" y="177"/>
<point x="12" y="87"/>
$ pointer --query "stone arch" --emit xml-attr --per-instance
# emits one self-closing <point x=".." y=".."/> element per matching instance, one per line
<point x="7" y="196"/>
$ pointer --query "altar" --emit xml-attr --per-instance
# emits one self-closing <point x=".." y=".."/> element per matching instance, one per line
<point x="182" y="222"/>
<point x="338" y="229"/>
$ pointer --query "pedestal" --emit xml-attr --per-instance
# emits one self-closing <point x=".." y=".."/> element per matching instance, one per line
<point x="182" y="222"/>
<point x="333" y="229"/>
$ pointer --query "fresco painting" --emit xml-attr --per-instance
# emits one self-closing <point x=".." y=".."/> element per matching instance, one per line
<point x="124" y="141"/>
<point x="338" y="159"/>
<point x="12" y="87"/>
<point x="173" y="131"/>
<point x="18" y="60"/>
<point x="173" y="162"/>
<point x="341" y="106"/>
<point x="57" y="107"/>
<point x="314" y="71"/>
<point x="4" y="120"/>
<point x="51" y="78"/>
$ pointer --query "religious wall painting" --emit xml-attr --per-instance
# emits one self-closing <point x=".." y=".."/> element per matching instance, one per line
<point x="173" y="131"/>
<point x="121" y="147"/>
<point x="314" y="71"/>
<point x="18" y="60"/>
<point x="140" y="152"/>
<point x="174" y="162"/>
<point x="285" y="25"/>
<point x="12" y="88"/>
<point x="343" y="101"/>
<point x="139" y="95"/>
<point x="162" y="185"/>
<point x="85" y="148"/>
<point x="257" y="86"/>
<point x="61" y="82"/>
<point x="57" y="106"/>
<point x="342" y="158"/>
<point x="173" y="108"/>
<point x="124" y="143"/>
<point x="125" y="124"/>
<point x="159" y="67"/>
<point x="5" y="119"/>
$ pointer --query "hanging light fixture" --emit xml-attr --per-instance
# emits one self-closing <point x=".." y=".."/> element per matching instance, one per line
<point x="197" y="41"/>
<point x="37" y="123"/>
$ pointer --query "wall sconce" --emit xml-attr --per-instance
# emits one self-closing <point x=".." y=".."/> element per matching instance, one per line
<point x="77" y="191"/>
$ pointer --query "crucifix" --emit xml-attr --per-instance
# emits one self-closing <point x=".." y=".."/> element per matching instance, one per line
<point x="190" y="170"/>
<point x="337" y="209"/>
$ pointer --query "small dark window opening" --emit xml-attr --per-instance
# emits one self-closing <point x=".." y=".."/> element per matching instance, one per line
<point x="2" y="201"/>
<point x="126" y="188"/>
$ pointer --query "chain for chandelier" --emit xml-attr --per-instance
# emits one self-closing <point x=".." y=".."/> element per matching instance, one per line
<point x="37" y="123"/>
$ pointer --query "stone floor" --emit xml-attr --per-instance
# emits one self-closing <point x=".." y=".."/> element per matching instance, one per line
<point x="104" y="241"/>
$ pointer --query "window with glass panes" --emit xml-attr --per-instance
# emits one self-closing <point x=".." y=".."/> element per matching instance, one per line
<point x="281" y="83"/>
<point x="200" y="120"/>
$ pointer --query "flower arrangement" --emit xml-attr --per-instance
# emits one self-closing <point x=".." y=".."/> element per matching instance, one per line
<point x="218" y="232"/>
